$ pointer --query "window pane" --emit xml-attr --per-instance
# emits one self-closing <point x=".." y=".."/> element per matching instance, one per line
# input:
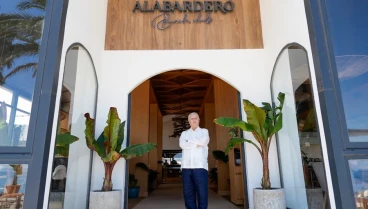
<point x="71" y="165"/>
<point x="300" y="150"/>
<point x="24" y="104"/>
<point x="359" y="177"/>
<point x="20" y="129"/>
<point x="5" y="95"/>
<point x="348" y="22"/>
<point x="12" y="185"/>
<point x="21" y="24"/>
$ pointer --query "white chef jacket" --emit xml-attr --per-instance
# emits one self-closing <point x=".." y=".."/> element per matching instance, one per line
<point x="193" y="156"/>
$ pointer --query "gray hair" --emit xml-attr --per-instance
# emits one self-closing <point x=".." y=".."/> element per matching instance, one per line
<point x="193" y="113"/>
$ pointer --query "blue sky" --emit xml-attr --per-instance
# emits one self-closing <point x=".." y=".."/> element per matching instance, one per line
<point x="348" y="26"/>
<point x="23" y="81"/>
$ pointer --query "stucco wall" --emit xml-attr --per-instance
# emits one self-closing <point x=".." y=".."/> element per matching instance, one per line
<point x="243" y="69"/>
<point x="249" y="71"/>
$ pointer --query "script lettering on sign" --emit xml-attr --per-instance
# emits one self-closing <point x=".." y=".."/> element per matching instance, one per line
<point x="164" y="20"/>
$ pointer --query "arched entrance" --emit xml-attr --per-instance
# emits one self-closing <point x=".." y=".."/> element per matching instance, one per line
<point x="157" y="113"/>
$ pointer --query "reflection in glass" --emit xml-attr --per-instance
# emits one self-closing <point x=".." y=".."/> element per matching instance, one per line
<point x="349" y="32"/>
<point x="12" y="185"/>
<point x="71" y="164"/>
<point x="359" y="177"/>
<point x="21" y="23"/>
<point x="300" y="150"/>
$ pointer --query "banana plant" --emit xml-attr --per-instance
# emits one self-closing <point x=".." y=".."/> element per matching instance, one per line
<point x="63" y="140"/>
<point x="108" y="144"/>
<point x="263" y="122"/>
<point x="62" y="143"/>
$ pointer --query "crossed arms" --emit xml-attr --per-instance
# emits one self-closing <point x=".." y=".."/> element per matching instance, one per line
<point x="187" y="143"/>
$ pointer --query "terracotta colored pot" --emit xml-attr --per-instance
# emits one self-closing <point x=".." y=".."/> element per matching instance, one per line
<point x="11" y="189"/>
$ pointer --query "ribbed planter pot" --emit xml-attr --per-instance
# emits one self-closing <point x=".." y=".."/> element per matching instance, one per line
<point x="269" y="199"/>
<point x="105" y="200"/>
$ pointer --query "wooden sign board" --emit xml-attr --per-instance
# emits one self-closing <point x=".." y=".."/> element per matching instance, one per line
<point x="163" y="25"/>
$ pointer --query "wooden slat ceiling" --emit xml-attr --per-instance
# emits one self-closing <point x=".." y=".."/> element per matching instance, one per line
<point x="180" y="91"/>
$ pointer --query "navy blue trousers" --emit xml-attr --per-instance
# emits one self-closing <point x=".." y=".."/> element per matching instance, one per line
<point x="195" y="188"/>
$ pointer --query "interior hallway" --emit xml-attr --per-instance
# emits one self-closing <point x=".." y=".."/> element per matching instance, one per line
<point x="169" y="196"/>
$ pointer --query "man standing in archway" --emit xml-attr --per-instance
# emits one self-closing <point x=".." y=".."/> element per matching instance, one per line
<point x="194" y="144"/>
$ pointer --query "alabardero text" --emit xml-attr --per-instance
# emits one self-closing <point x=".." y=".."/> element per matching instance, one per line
<point x="185" y="6"/>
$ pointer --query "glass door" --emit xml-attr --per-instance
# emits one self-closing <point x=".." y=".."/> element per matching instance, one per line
<point x="301" y="161"/>
<point x="71" y="170"/>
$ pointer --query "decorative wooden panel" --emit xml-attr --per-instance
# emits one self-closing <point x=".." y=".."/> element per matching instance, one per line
<point x="226" y="105"/>
<point x="239" y="29"/>
<point x="181" y="91"/>
<point x="139" y="132"/>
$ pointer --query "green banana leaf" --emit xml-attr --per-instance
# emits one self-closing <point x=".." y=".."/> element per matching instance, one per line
<point x="233" y="122"/>
<point x="256" y="117"/>
<point x="109" y="143"/>
<point x="65" y="139"/>
<point x="220" y="155"/>
<point x="121" y="137"/>
<point x="90" y="139"/>
<point x="62" y="143"/>
<point x="62" y="151"/>
<point x="111" y="131"/>
<point x="137" y="150"/>
<point x="142" y="166"/>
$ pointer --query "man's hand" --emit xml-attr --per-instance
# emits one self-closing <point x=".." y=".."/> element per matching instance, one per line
<point x="198" y="145"/>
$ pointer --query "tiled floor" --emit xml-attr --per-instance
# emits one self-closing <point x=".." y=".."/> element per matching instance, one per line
<point x="170" y="196"/>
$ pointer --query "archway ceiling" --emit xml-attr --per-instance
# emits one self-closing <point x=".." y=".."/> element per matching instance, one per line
<point x="181" y="91"/>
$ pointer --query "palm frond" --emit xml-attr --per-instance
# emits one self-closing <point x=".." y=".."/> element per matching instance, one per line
<point x="2" y="79"/>
<point x="20" y="23"/>
<point x="20" y="68"/>
<point x="13" y="52"/>
<point x="20" y="36"/>
<point x="32" y="4"/>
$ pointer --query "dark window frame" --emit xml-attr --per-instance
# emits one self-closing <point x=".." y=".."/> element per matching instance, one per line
<point x="339" y="148"/>
<point x="36" y="151"/>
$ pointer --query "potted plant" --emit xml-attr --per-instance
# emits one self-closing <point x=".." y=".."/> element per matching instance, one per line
<point x="152" y="175"/>
<point x="63" y="140"/>
<point x="220" y="156"/>
<point x="14" y="187"/>
<point x="263" y="122"/>
<point x="62" y="143"/>
<point x="133" y="189"/>
<point x="109" y="147"/>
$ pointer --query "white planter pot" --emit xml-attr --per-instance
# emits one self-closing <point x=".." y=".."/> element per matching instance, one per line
<point x="269" y="199"/>
<point x="105" y="200"/>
